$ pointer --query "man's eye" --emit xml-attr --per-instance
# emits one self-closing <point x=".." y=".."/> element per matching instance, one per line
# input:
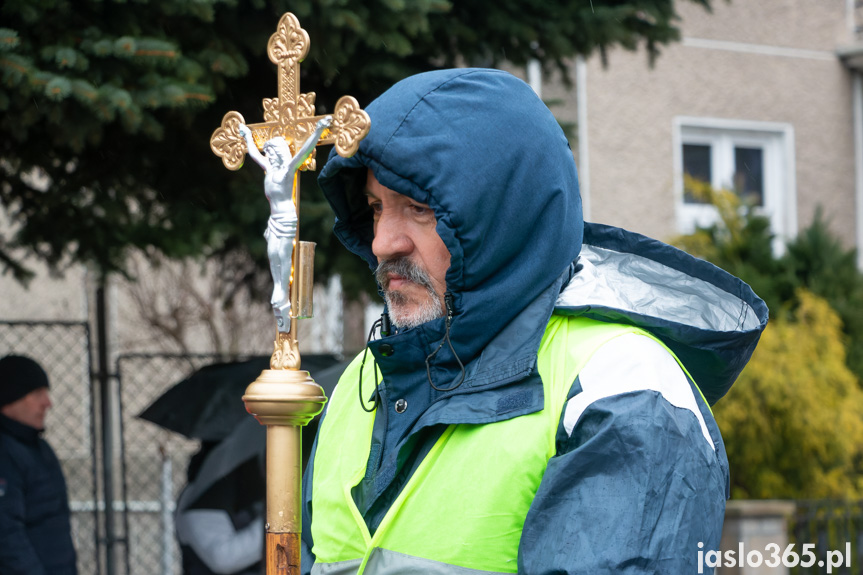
<point x="420" y="210"/>
<point x="376" y="207"/>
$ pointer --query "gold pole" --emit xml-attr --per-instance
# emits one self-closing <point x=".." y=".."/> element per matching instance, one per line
<point x="284" y="400"/>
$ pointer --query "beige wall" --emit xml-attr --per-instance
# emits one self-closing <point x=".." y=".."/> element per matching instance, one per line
<point x="47" y="296"/>
<point x="803" y="24"/>
<point x="175" y="293"/>
<point x="631" y="107"/>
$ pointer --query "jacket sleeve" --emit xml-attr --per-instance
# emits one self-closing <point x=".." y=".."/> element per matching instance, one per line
<point x="17" y="556"/>
<point x="222" y="548"/>
<point x="640" y="476"/>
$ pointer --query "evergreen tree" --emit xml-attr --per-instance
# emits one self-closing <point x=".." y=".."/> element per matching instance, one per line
<point x="106" y="107"/>
<point x="818" y="260"/>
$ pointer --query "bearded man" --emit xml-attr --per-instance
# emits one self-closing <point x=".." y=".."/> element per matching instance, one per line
<point x="538" y="400"/>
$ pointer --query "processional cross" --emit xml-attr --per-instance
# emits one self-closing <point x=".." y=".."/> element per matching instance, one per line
<point x="284" y="398"/>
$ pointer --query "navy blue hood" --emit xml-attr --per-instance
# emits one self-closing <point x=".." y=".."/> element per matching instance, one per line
<point x="485" y="153"/>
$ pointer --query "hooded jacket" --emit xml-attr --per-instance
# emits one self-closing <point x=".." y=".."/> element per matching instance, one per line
<point x="483" y="151"/>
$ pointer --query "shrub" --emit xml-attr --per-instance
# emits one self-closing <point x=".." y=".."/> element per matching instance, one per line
<point x="793" y="422"/>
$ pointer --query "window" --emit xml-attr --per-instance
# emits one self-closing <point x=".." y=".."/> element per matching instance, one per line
<point x="696" y="164"/>
<point x="755" y="159"/>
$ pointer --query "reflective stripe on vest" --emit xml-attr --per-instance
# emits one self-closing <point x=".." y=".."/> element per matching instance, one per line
<point x="463" y="509"/>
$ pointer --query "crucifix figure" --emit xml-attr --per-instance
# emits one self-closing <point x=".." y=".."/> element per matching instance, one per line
<point x="280" y="166"/>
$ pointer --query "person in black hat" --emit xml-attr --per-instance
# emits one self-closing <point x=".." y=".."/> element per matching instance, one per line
<point x="35" y="532"/>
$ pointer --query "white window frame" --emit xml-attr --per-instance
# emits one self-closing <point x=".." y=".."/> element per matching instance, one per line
<point x="723" y="135"/>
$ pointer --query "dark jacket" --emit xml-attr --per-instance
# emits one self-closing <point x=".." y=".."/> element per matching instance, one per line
<point x="35" y="532"/>
<point x="637" y="482"/>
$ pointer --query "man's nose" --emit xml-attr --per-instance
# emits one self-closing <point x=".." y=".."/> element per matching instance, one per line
<point x="392" y="238"/>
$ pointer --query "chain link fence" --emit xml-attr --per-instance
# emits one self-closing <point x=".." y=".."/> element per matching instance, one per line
<point x="63" y="350"/>
<point x="153" y="465"/>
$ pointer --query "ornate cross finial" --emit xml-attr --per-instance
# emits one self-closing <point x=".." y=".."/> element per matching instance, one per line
<point x="291" y="114"/>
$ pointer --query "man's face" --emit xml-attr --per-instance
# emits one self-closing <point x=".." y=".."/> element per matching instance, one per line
<point x="30" y="409"/>
<point x="412" y="258"/>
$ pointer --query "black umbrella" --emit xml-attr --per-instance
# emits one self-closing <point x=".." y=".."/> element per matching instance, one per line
<point x="208" y="404"/>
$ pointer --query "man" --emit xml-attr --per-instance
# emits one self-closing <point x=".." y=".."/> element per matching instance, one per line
<point x="35" y="533"/>
<point x="540" y="402"/>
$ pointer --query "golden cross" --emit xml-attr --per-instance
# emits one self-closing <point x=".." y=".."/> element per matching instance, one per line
<point x="292" y="116"/>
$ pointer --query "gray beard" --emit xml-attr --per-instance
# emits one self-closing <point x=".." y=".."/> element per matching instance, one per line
<point x="428" y="309"/>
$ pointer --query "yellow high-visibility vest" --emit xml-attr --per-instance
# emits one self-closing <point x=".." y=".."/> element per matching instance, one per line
<point x="464" y="508"/>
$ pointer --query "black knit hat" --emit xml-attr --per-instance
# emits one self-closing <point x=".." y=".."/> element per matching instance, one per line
<point x="19" y="376"/>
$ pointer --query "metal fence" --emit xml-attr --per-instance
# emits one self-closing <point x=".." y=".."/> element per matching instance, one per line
<point x="153" y="463"/>
<point x="832" y="527"/>
<point x="63" y="350"/>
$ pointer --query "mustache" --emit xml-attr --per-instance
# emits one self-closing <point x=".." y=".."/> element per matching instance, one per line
<point x="402" y="267"/>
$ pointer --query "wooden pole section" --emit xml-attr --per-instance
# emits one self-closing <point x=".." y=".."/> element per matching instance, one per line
<point x="283" y="553"/>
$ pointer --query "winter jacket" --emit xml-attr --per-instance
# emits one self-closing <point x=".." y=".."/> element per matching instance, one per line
<point x="35" y="533"/>
<point x="639" y="475"/>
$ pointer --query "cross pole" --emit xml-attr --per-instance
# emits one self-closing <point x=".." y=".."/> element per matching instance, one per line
<point x="284" y="398"/>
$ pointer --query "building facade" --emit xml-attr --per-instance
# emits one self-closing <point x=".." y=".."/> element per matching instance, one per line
<point x="763" y="97"/>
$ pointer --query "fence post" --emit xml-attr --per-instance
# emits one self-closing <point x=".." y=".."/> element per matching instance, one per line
<point x="107" y="403"/>
<point x="166" y="495"/>
<point x="751" y="525"/>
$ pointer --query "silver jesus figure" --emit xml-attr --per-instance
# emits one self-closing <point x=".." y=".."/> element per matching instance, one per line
<point x="280" y="166"/>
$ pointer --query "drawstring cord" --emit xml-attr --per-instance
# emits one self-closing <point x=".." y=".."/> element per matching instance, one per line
<point x="449" y="312"/>
<point x="376" y="398"/>
<point x="385" y="330"/>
